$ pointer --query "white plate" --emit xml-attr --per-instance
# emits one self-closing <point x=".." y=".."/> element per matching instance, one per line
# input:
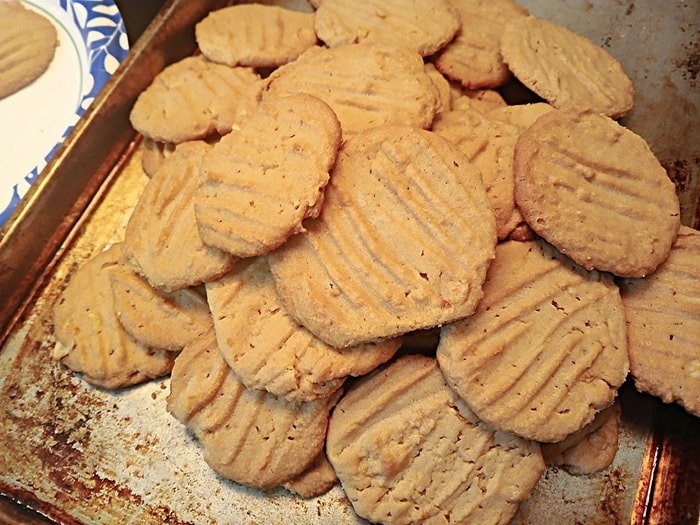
<point x="35" y="120"/>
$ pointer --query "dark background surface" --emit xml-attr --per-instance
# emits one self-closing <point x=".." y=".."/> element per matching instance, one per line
<point x="137" y="14"/>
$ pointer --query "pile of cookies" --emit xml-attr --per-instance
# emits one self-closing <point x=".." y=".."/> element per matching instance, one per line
<point x="358" y="263"/>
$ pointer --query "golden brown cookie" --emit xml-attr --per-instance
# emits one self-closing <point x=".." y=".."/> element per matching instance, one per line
<point x="365" y="85"/>
<point x="442" y="85"/>
<point x="162" y="239"/>
<point x="91" y="340"/>
<point x="663" y="320"/>
<point x="317" y="479"/>
<point x="407" y="450"/>
<point x="153" y="154"/>
<point x="473" y="58"/>
<point x="27" y="46"/>
<point x="167" y="320"/>
<point x="255" y="35"/>
<point x="489" y="145"/>
<point x="267" y="350"/>
<point x="596" y="191"/>
<point x="591" y="449"/>
<point x="546" y="348"/>
<point x="403" y="243"/>
<point x="194" y="98"/>
<point x="258" y="184"/>
<point x="250" y="437"/>
<point x="520" y="115"/>
<point x="564" y="68"/>
<point x="424" y="26"/>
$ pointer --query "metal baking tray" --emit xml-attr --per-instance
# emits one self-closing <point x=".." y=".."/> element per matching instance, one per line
<point x="75" y="454"/>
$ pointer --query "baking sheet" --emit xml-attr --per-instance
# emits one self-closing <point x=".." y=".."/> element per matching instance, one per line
<point x="83" y="455"/>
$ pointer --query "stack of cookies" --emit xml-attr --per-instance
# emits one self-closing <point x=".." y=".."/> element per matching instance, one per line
<point x="340" y="182"/>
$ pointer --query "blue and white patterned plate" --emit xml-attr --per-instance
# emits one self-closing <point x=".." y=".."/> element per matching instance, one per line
<point x="35" y="120"/>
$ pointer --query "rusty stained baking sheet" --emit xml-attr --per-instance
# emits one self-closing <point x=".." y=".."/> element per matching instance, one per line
<point x="95" y="456"/>
<point x="84" y="455"/>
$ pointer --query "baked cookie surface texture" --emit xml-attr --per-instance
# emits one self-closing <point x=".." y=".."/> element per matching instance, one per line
<point x="91" y="339"/>
<point x="267" y="350"/>
<point x="407" y="450"/>
<point x="255" y="35"/>
<point x="546" y="348"/>
<point x="250" y="437"/>
<point x="27" y="46"/>
<point x="424" y="26"/>
<point x="259" y="183"/>
<point x="564" y="68"/>
<point x="162" y="239"/>
<point x="403" y="243"/>
<point x="366" y="85"/>
<point x="663" y="319"/>
<point x="194" y="98"/>
<point x="473" y="58"/>
<point x="596" y="191"/>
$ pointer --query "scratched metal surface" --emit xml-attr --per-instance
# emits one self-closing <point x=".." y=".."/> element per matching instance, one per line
<point x="83" y="455"/>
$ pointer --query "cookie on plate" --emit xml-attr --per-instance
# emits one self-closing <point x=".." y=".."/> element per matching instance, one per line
<point x="91" y="340"/>
<point x="267" y="350"/>
<point x="407" y="450"/>
<point x="473" y="58"/>
<point x="424" y="26"/>
<point x="258" y="184"/>
<point x="596" y="191"/>
<point x="546" y="348"/>
<point x="564" y="68"/>
<point x="194" y="98"/>
<point x="255" y="35"/>
<point x="250" y="437"/>
<point x="663" y="320"/>
<point x="27" y="46"/>
<point x="366" y="85"/>
<point x="403" y="243"/>
<point x="162" y="239"/>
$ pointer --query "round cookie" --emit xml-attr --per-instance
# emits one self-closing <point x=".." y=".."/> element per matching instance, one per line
<point x="259" y="183"/>
<point x="591" y="449"/>
<point x="162" y="239"/>
<point x="268" y="351"/>
<point x="473" y="58"/>
<point x="27" y="46"/>
<point x="250" y="437"/>
<point x="91" y="339"/>
<point x="564" y="68"/>
<point x="194" y="98"/>
<point x="317" y="479"/>
<point x="663" y="320"/>
<point x="366" y="85"/>
<point x="423" y="26"/>
<point x="159" y="319"/>
<point x="403" y="243"/>
<point x="255" y="35"/>
<point x="596" y="191"/>
<point x="520" y="115"/>
<point x="489" y="145"/>
<point x="407" y="450"/>
<point x="546" y="348"/>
